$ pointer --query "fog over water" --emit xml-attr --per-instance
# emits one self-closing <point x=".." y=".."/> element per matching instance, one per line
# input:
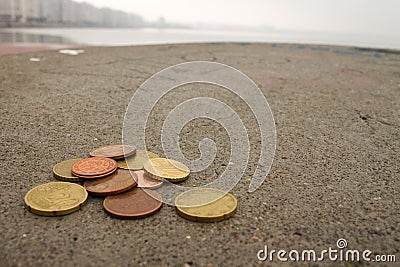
<point x="372" y="17"/>
<point x="338" y="22"/>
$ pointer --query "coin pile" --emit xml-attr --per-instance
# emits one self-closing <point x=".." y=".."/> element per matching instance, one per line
<point x="120" y="173"/>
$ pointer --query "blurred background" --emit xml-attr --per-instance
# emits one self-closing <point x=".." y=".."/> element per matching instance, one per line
<point x="360" y="23"/>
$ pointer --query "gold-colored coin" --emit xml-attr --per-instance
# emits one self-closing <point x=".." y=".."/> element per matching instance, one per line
<point x="62" y="171"/>
<point x="55" y="198"/>
<point x="168" y="169"/>
<point x="136" y="162"/>
<point x="206" y="205"/>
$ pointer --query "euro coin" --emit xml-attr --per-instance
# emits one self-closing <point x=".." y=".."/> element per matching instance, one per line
<point x="62" y="171"/>
<point x="114" y="151"/>
<point x="206" y="205"/>
<point x="136" y="162"/>
<point x="118" y="182"/>
<point x="168" y="169"/>
<point x="133" y="204"/>
<point x="144" y="181"/>
<point x="55" y="198"/>
<point x="95" y="167"/>
<point x="85" y="177"/>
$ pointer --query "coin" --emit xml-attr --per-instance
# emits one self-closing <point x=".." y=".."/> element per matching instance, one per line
<point x="95" y="167"/>
<point x="55" y="198"/>
<point x="114" y="151"/>
<point x="136" y="162"/>
<point x="118" y="182"/>
<point x="145" y="181"/>
<point x="206" y="205"/>
<point x="62" y="171"/>
<point x="133" y="204"/>
<point x="95" y="176"/>
<point x="162" y="168"/>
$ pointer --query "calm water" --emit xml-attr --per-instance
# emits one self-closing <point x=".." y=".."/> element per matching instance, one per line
<point x="116" y="37"/>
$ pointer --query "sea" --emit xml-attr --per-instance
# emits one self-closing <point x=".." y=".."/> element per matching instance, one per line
<point x="146" y="36"/>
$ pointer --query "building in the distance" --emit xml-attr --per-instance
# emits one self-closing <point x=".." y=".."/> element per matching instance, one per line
<point x="51" y="11"/>
<point x="62" y="13"/>
<point x="6" y="11"/>
<point x="20" y="11"/>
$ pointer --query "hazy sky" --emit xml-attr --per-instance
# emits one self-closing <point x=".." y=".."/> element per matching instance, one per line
<point x="343" y="16"/>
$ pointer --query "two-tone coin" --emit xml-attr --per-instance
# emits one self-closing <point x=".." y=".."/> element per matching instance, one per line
<point x="136" y="162"/>
<point x="206" y="205"/>
<point x="93" y="168"/>
<point x="144" y="181"/>
<point x="114" y="151"/>
<point x="116" y="183"/>
<point x="133" y="204"/>
<point x="55" y="198"/>
<point x="62" y="171"/>
<point x="168" y="169"/>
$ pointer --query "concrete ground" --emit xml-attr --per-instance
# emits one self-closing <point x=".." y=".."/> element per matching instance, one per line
<point x="335" y="174"/>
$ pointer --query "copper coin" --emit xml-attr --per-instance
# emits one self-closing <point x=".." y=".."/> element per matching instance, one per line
<point x="118" y="182"/>
<point x="133" y="204"/>
<point x="145" y="181"/>
<point x="93" y="166"/>
<point x="114" y="151"/>
<point x="95" y="176"/>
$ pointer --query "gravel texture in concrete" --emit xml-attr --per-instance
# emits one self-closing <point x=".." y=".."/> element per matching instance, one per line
<point x="335" y="174"/>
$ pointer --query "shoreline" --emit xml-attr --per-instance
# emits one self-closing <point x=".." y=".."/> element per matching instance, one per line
<point x="10" y="48"/>
<point x="145" y="36"/>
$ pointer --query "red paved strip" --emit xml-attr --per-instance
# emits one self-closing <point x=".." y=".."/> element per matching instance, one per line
<point x="16" y="48"/>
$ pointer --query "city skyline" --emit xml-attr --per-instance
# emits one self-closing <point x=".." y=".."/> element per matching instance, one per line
<point x="63" y="13"/>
